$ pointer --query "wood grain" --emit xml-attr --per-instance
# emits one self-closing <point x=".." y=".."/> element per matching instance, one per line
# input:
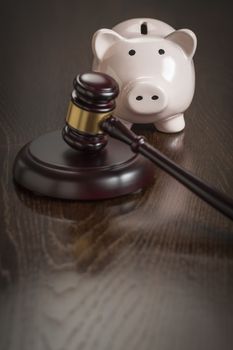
<point x="152" y="270"/>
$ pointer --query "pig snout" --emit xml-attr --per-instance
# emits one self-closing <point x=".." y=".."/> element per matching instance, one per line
<point x="146" y="97"/>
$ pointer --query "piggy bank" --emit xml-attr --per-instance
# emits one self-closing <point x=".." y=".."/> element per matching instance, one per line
<point x="152" y="63"/>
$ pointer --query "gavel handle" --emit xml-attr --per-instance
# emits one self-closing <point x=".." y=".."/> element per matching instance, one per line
<point x="138" y="144"/>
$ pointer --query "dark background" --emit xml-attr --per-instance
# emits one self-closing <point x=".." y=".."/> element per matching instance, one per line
<point x="152" y="270"/>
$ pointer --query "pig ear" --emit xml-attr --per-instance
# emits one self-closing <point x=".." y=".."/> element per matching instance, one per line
<point x="102" y="40"/>
<point x="186" y="39"/>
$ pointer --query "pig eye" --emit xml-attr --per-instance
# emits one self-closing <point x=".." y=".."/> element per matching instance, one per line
<point x="132" y="52"/>
<point x="161" y="52"/>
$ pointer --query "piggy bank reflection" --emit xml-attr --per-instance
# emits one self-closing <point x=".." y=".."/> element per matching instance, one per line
<point x="152" y="63"/>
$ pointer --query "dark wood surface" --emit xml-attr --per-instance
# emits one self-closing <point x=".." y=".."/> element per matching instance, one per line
<point x="152" y="270"/>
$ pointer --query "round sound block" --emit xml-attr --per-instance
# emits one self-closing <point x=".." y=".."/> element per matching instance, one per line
<point x="48" y="166"/>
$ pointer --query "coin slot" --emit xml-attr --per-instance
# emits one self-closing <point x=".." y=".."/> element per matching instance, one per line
<point x="144" y="29"/>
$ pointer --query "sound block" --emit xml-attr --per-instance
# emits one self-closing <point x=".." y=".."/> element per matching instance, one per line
<point x="49" y="167"/>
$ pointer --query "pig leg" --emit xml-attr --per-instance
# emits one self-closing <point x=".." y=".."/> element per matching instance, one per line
<point x="171" y="125"/>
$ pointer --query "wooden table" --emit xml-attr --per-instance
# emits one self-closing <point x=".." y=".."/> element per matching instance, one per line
<point x="152" y="270"/>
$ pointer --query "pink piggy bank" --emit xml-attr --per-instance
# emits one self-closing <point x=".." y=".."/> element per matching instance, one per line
<point x="152" y="63"/>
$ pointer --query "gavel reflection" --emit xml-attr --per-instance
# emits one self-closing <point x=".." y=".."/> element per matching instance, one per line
<point x="89" y="121"/>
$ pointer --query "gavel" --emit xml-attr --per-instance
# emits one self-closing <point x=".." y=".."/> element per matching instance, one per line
<point x="89" y="120"/>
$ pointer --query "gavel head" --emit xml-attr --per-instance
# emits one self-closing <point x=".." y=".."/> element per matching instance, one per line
<point x="92" y="101"/>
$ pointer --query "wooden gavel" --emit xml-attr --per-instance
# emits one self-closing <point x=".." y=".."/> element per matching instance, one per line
<point x="90" y="118"/>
